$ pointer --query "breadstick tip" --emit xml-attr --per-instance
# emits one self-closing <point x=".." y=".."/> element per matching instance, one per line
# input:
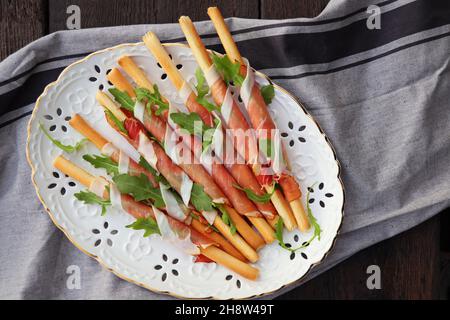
<point x="213" y="10"/>
<point x="149" y="36"/>
<point x="57" y="161"/>
<point x="185" y="20"/>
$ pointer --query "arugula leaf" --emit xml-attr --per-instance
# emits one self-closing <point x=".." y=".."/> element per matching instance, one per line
<point x="228" y="69"/>
<point x="158" y="177"/>
<point x="189" y="121"/>
<point x="265" y="145"/>
<point x="208" y="134"/>
<point x="192" y="123"/>
<point x="154" y="98"/>
<point x="317" y="230"/>
<point x="201" y="87"/>
<point x="102" y="162"/>
<point x="202" y="90"/>
<point x="116" y="121"/>
<point x="148" y="224"/>
<point x="123" y="98"/>
<point x="91" y="198"/>
<point x="59" y="144"/>
<point x="208" y="105"/>
<point x="255" y="197"/>
<point x="279" y="235"/>
<point x="268" y="92"/>
<point x="313" y="220"/>
<point x="140" y="188"/>
<point x="226" y="219"/>
<point x="199" y="199"/>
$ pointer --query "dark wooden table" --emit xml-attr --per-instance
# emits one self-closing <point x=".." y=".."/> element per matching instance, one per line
<point x="414" y="265"/>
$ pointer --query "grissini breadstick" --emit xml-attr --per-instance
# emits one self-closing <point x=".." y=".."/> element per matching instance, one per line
<point x="73" y="171"/>
<point x="223" y="179"/>
<point x="227" y="41"/>
<point x="121" y="82"/>
<point x="237" y="119"/>
<point x="230" y="262"/>
<point x="241" y="172"/>
<point x="138" y="75"/>
<point x="135" y="169"/>
<point x="140" y="211"/>
<point x="173" y="174"/>
<point x="213" y="235"/>
<point x="259" y="115"/>
<point x="84" y="128"/>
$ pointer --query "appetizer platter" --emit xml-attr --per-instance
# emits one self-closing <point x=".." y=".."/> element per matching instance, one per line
<point x="185" y="171"/>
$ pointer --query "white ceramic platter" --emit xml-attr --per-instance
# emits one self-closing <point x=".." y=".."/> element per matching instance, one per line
<point x="151" y="262"/>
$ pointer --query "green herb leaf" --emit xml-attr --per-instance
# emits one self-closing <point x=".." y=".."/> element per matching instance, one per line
<point x="279" y="231"/>
<point x="189" y="121"/>
<point x="116" y="121"/>
<point x="140" y="188"/>
<point x="91" y="198"/>
<point x="265" y="145"/>
<point x="268" y="93"/>
<point x="279" y="234"/>
<point x="158" y="177"/>
<point x="202" y="90"/>
<point x="102" y="162"/>
<point x="228" y="69"/>
<point x="317" y="230"/>
<point x="148" y="224"/>
<point x="255" y="197"/>
<point x="199" y="199"/>
<point x="59" y="144"/>
<point x="123" y="98"/>
<point x="226" y="219"/>
<point x="313" y="220"/>
<point x="208" y="105"/>
<point x="201" y="87"/>
<point x="154" y="98"/>
<point x="208" y="134"/>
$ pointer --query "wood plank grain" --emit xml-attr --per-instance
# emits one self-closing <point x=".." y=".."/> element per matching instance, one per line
<point x="104" y="13"/>
<point x="409" y="265"/>
<point x="21" y="22"/>
<point x="285" y="9"/>
<point x="196" y="10"/>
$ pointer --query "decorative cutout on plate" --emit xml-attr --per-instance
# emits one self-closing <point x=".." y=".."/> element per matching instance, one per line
<point x="52" y="119"/>
<point x="95" y="78"/>
<point x="62" y="182"/>
<point x="167" y="266"/>
<point x="237" y="282"/>
<point x="320" y="188"/>
<point x="107" y="235"/>
<point x="293" y="135"/>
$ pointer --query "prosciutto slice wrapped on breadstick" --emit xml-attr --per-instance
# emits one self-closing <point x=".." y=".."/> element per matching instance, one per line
<point x="238" y="169"/>
<point x="160" y="127"/>
<point x="259" y="114"/>
<point x="135" y="169"/>
<point x="154" y="154"/>
<point x="182" y="235"/>
<point x="233" y="116"/>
